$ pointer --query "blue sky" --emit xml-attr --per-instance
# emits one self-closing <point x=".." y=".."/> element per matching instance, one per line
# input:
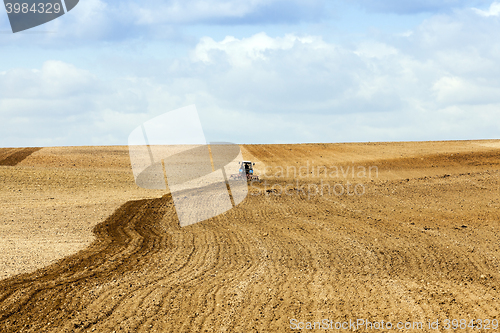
<point x="259" y="71"/>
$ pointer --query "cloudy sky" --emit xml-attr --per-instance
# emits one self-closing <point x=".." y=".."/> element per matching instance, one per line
<point x="258" y="71"/>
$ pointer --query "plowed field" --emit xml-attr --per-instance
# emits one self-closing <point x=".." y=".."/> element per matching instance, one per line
<point x="12" y="156"/>
<point x="413" y="238"/>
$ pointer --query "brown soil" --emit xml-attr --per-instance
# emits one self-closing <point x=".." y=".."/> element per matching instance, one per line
<point x="12" y="156"/>
<point x="421" y="243"/>
<point x="51" y="201"/>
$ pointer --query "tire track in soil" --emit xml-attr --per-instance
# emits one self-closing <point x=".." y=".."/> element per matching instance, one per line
<point x="116" y="250"/>
<point x="13" y="156"/>
<point x="270" y="259"/>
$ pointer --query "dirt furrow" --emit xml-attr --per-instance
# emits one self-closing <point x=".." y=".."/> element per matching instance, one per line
<point x="409" y="249"/>
<point x="13" y="156"/>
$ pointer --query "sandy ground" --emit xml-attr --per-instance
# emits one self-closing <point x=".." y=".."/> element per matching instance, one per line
<point x="54" y="197"/>
<point x="418" y="241"/>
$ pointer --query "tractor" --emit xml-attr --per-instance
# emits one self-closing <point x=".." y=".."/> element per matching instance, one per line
<point x="246" y="171"/>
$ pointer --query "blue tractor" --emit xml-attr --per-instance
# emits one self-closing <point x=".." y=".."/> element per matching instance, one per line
<point x="246" y="171"/>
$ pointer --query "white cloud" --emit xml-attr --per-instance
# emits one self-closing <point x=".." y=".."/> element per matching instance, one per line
<point x="112" y="20"/>
<point x="407" y="33"/>
<point x="372" y="49"/>
<point x="55" y="79"/>
<point x="494" y="10"/>
<point x="243" y="52"/>
<point x="456" y="91"/>
<point x="442" y="81"/>
<point x="446" y="70"/>
<point x="60" y="104"/>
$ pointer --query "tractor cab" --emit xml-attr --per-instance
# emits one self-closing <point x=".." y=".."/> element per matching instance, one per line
<point x="246" y="168"/>
<point x="246" y="172"/>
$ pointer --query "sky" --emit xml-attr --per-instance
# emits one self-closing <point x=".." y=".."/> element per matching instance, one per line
<point x="258" y="71"/>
